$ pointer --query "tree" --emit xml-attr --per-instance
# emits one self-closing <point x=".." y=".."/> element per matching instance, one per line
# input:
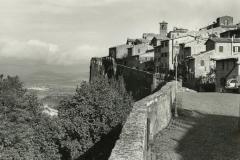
<point x="92" y="112"/>
<point x="24" y="132"/>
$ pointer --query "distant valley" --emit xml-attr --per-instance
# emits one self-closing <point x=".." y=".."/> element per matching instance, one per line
<point x="49" y="82"/>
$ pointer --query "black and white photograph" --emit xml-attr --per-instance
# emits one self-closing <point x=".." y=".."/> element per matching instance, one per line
<point x="119" y="80"/>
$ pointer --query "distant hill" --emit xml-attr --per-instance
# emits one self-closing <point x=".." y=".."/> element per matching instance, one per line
<point x="36" y="73"/>
<point x="58" y="80"/>
<point x="54" y="78"/>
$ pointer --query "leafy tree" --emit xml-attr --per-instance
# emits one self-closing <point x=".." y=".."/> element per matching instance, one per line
<point x="92" y="112"/>
<point x="24" y="132"/>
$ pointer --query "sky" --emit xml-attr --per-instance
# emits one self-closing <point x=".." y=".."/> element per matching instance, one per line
<point x="70" y="32"/>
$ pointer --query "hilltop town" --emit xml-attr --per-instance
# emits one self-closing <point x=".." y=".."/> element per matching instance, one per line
<point x="205" y="60"/>
<point x="163" y="71"/>
<point x="120" y="80"/>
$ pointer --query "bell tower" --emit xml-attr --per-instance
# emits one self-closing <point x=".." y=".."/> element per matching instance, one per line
<point x="163" y="28"/>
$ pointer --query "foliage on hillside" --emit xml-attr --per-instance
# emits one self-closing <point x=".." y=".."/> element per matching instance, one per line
<point x="92" y="112"/>
<point x="26" y="133"/>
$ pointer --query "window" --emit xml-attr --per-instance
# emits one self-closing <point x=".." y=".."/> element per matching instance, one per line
<point x="202" y="62"/>
<point x="220" y="48"/>
<point x="164" y="54"/>
<point x="236" y="49"/>
<point x="139" y="50"/>
<point x="129" y="51"/>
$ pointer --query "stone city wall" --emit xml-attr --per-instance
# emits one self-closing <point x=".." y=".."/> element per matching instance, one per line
<point x="149" y="116"/>
<point x="139" y="83"/>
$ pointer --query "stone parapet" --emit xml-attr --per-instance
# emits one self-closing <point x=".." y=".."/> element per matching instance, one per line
<point x="149" y="116"/>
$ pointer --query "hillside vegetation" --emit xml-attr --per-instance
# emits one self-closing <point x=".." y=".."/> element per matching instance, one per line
<point x="83" y="119"/>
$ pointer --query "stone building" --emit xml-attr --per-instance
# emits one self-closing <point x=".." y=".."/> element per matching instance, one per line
<point x="165" y="53"/>
<point x="143" y="61"/>
<point x="223" y="46"/>
<point x="188" y="53"/>
<point x="190" y="48"/>
<point x="169" y="49"/>
<point x="198" y="67"/>
<point x="156" y="41"/>
<point x="226" y="68"/>
<point x="146" y="61"/>
<point x="137" y="41"/>
<point x="131" y="48"/>
<point x="147" y="56"/>
<point x="120" y="51"/>
<point x="131" y="41"/>
<point x="157" y="59"/>
<point x="224" y="21"/>
<point x="149" y="36"/>
<point x="177" y="32"/>
<point x="231" y="33"/>
<point x="138" y="49"/>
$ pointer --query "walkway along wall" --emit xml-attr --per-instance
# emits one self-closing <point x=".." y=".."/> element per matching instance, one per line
<point x="149" y="116"/>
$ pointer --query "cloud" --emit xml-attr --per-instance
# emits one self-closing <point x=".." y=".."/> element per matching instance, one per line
<point x="47" y="53"/>
<point x="85" y="3"/>
<point x="80" y="54"/>
<point x="94" y="24"/>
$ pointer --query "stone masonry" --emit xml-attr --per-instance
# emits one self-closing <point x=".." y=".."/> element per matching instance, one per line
<point x="149" y="116"/>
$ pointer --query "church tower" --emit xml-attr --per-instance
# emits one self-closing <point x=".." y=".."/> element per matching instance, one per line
<point x="163" y="29"/>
